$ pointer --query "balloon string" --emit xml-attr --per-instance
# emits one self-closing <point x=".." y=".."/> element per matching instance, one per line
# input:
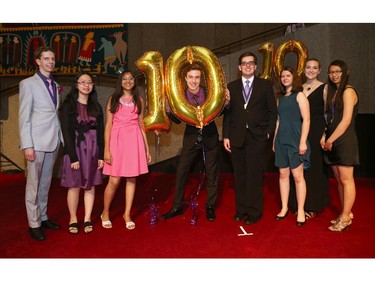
<point x="157" y="147"/>
<point x="154" y="215"/>
<point x="194" y="197"/>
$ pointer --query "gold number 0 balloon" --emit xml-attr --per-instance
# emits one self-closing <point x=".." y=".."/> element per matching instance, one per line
<point x="290" y="46"/>
<point x="151" y="63"/>
<point x="215" y="81"/>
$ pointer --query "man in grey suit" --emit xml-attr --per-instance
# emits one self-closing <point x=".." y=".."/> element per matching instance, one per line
<point x="40" y="136"/>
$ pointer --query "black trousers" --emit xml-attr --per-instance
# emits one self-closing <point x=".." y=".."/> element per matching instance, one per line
<point x="188" y="155"/>
<point x="248" y="166"/>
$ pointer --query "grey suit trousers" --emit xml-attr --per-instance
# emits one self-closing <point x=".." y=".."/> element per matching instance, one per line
<point x="39" y="177"/>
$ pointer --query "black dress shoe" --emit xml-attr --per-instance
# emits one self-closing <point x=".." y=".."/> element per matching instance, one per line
<point x="238" y="217"/>
<point x="251" y="220"/>
<point x="172" y="213"/>
<point x="300" y="223"/>
<point x="210" y="213"/>
<point x="50" y="225"/>
<point x="37" y="233"/>
<point x="279" y="218"/>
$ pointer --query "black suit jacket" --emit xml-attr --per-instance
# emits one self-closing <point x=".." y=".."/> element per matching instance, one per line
<point x="260" y="114"/>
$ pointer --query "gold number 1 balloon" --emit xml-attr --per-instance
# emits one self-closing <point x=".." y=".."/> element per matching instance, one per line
<point x="151" y="63"/>
<point x="267" y="50"/>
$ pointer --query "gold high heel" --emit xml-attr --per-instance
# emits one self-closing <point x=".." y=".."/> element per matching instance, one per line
<point x="351" y="216"/>
<point x="340" y="226"/>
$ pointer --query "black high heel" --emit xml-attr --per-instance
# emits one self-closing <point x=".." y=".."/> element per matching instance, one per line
<point x="279" y="218"/>
<point x="301" y="223"/>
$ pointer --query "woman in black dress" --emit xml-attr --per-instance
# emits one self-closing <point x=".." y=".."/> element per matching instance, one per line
<point x="340" y="143"/>
<point x="316" y="176"/>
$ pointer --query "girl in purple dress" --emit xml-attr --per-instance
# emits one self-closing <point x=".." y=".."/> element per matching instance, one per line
<point x="83" y="130"/>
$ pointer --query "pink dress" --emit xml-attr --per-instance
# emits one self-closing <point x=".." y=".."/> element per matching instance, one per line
<point x="126" y="143"/>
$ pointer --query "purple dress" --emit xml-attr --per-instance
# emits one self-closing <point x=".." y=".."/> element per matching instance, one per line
<point x="86" y="146"/>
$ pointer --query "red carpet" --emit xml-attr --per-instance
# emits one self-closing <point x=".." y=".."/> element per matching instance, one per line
<point x="177" y="238"/>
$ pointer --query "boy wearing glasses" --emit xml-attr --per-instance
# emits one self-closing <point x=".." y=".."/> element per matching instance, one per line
<point x="248" y="124"/>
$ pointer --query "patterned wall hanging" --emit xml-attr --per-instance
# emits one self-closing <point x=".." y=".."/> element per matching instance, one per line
<point x="96" y="48"/>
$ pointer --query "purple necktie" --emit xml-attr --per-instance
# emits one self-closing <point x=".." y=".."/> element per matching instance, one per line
<point x="51" y="90"/>
<point x="247" y="90"/>
<point x="50" y="86"/>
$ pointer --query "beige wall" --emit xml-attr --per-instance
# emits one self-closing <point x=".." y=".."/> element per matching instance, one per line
<point x="10" y="137"/>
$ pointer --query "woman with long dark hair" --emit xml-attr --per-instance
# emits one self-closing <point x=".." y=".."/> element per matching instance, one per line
<point x="82" y="126"/>
<point x="340" y="142"/>
<point x="126" y="152"/>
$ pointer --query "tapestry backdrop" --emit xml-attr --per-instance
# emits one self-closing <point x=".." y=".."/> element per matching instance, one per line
<point x="96" y="48"/>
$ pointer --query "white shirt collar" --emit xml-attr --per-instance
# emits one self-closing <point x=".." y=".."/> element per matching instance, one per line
<point x="251" y="79"/>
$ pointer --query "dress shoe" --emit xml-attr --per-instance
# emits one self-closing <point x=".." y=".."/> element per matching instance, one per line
<point x="300" y="223"/>
<point x="210" y="213"/>
<point x="48" y="224"/>
<point x="238" y="217"/>
<point x="279" y="218"/>
<point x="251" y="220"/>
<point x="172" y="213"/>
<point x="37" y="233"/>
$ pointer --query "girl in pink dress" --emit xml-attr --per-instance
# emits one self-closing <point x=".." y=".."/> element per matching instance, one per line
<point x="126" y="151"/>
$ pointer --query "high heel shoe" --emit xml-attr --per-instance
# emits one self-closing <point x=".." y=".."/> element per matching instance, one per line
<point x="301" y="223"/>
<point x="279" y="218"/>
<point x="351" y="216"/>
<point x="340" y="226"/>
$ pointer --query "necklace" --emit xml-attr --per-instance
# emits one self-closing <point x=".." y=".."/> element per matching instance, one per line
<point x="311" y="86"/>
<point x="126" y="103"/>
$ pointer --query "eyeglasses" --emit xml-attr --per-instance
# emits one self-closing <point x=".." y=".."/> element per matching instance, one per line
<point x="85" y="83"/>
<point x="127" y="79"/>
<point x="336" y="72"/>
<point x="248" y="63"/>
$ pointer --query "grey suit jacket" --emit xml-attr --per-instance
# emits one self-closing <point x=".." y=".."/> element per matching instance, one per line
<point x="39" y="125"/>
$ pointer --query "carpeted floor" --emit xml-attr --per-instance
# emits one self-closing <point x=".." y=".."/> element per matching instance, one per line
<point x="177" y="238"/>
